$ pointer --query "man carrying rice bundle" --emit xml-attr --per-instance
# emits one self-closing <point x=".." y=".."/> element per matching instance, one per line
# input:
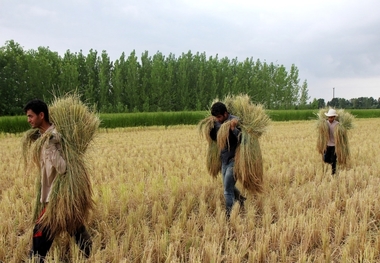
<point x="330" y="155"/>
<point x="227" y="155"/>
<point x="233" y="146"/>
<point x="332" y="140"/>
<point x="47" y="149"/>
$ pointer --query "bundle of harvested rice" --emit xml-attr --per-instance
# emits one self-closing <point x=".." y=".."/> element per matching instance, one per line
<point x="71" y="197"/>
<point x="213" y="162"/>
<point x="342" y="149"/>
<point x="253" y="122"/>
<point x="323" y="131"/>
<point x="30" y="136"/>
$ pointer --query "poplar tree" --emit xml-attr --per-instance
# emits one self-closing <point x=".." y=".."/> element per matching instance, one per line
<point x="14" y="88"/>
<point x="69" y="77"/>
<point x="105" y="87"/>
<point x="91" y="90"/>
<point x="184" y="67"/>
<point x="119" y="80"/>
<point x="157" y="82"/>
<point x="304" y="96"/>
<point x="145" y="72"/>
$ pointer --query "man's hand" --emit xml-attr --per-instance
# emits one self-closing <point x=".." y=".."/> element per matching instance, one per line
<point x="233" y="124"/>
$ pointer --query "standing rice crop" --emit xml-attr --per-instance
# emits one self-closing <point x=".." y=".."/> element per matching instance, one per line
<point x="71" y="198"/>
<point x="253" y="122"/>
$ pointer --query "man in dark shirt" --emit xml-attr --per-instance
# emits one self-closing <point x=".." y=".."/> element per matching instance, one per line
<point x="227" y="155"/>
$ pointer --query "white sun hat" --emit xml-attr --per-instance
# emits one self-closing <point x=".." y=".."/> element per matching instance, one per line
<point x="331" y="113"/>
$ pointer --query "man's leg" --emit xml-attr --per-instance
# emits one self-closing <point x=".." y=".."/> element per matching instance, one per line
<point x="333" y="162"/>
<point x="229" y="186"/>
<point x="328" y="155"/>
<point x="238" y="197"/>
<point x="83" y="240"/>
<point x="41" y="243"/>
<point x="331" y="158"/>
<point x="42" y="240"/>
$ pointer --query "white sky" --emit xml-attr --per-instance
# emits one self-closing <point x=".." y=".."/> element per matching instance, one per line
<point x="333" y="43"/>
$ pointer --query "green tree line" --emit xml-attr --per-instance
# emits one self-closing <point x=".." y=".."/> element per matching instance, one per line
<point x="341" y="103"/>
<point x="356" y="103"/>
<point x="148" y="83"/>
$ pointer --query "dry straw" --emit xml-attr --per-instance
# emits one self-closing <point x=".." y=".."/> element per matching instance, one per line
<point x="323" y="131"/>
<point x="213" y="163"/>
<point x="71" y="198"/>
<point x="253" y="122"/>
<point x="342" y="149"/>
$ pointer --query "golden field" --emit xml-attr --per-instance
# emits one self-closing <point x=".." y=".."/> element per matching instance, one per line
<point x="157" y="203"/>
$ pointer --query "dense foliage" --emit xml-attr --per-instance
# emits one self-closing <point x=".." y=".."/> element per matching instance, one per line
<point x="145" y="84"/>
<point x="356" y="103"/>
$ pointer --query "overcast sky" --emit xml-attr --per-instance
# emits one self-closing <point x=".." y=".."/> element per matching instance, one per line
<point x="333" y="43"/>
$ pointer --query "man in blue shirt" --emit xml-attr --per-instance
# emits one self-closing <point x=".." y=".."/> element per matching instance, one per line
<point x="227" y="155"/>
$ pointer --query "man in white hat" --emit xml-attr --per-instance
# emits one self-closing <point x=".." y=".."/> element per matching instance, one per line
<point x="330" y="155"/>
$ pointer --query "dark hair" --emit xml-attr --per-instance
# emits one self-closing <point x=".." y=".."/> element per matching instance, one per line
<point x="38" y="106"/>
<point x="218" y="108"/>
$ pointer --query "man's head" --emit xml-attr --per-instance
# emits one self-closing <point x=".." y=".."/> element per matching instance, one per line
<point x="219" y="111"/>
<point x="331" y="114"/>
<point x="37" y="112"/>
<point x="331" y="118"/>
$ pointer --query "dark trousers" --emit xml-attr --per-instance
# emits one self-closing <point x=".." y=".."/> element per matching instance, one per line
<point x="42" y="241"/>
<point x="330" y="157"/>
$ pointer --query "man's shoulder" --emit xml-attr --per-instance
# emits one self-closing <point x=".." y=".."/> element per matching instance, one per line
<point x="230" y="117"/>
<point x="217" y="125"/>
<point x="54" y="135"/>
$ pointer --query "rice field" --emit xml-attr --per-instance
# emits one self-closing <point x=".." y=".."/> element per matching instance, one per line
<point x="157" y="203"/>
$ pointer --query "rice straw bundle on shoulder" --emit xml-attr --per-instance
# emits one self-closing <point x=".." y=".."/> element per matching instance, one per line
<point x="71" y="196"/>
<point x="253" y="122"/>
<point x="342" y="149"/>
<point x="213" y="162"/>
<point x="28" y="140"/>
<point x="322" y="130"/>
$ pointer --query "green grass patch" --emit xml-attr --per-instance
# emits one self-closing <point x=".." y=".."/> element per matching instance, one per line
<point x="366" y="113"/>
<point x="17" y="124"/>
<point x="292" y="115"/>
<point x="14" y="124"/>
<point x="150" y="119"/>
